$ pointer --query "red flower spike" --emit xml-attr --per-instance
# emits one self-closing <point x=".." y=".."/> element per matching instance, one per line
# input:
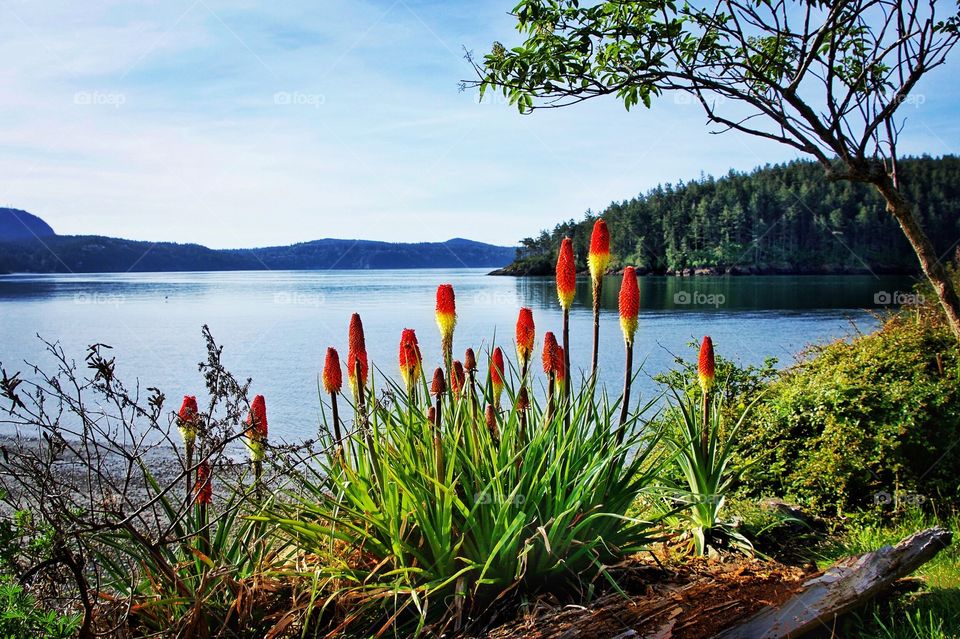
<point x="470" y="360"/>
<point x="458" y="379"/>
<point x="446" y="312"/>
<point x="257" y="419"/>
<point x="599" y="257"/>
<point x="188" y="410"/>
<point x="526" y="333"/>
<point x="439" y="384"/>
<point x="523" y="399"/>
<point x="706" y="364"/>
<point x="550" y="362"/>
<point x="332" y="375"/>
<point x="204" y="485"/>
<point x="629" y="304"/>
<point x="357" y="352"/>
<point x="496" y="373"/>
<point x="432" y="415"/>
<point x="410" y="358"/>
<point x="560" y="368"/>
<point x="566" y="274"/>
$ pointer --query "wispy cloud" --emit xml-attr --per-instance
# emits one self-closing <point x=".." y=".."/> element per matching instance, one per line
<point x="238" y="124"/>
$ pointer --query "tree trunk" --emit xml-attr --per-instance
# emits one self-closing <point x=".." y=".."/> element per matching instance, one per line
<point x="932" y="267"/>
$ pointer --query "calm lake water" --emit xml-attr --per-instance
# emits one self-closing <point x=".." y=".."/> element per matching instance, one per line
<point x="276" y="326"/>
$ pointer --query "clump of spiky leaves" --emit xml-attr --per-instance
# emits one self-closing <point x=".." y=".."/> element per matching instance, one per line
<point x="459" y="519"/>
<point x="702" y="445"/>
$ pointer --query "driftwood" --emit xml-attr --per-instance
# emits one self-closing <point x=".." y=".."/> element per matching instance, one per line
<point x="847" y="585"/>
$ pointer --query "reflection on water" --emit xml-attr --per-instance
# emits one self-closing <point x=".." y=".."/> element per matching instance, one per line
<point x="276" y="325"/>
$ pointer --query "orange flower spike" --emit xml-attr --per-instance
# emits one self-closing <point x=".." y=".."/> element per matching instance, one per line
<point x="526" y="333"/>
<point x="706" y="364"/>
<point x="550" y="346"/>
<point x="446" y="312"/>
<point x="599" y="256"/>
<point x="356" y="353"/>
<point x="410" y="358"/>
<point x="458" y="379"/>
<point x="496" y="374"/>
<point x="204" y="486"/>
<point x="629" y="304"/>
<point x="566" y="274"/>
<point x="332" y="375"/>
<point x="187" y="419"/>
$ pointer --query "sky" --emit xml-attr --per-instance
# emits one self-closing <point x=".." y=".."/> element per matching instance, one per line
<point x="241" y="124"/>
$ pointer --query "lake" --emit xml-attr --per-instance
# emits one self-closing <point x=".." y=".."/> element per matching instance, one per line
<point x="275" y="326"/>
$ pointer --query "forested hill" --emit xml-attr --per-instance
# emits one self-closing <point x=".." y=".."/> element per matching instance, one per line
<point x="776" y="219"/>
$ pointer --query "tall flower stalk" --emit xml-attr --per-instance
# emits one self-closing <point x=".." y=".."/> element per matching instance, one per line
<point x="470" y="365"/>
<point x="357" y="371"/>
<point x="629" y="306"/>
<point x="203" y="492"/>
<point x="332" y="384"/>
<point x="437" y="388"/>
<point x="188" y="419"/>
<point x="566" y="289"/>
<point x="446" y="322"/>
<point x="598" y="259"/>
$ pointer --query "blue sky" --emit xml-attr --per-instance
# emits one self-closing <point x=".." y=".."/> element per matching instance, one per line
<point x="237" y="124"/>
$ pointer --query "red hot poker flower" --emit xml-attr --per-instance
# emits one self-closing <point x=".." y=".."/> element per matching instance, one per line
<point x="705" y="364"/>
<point x="566" y="274"/>
<point x="551" y="363"/>
<point x="446" y="312"/>
<point x="561" y="368"/>
<point x="257" y="419"/>
<point x="332" y="375"/>
<point x="357" y="352"/>
<point x="439" y="385"/>
<point x="629" y="304"/>
<point x="410" y="358"/>
<point x="470" y="360"/>
<point x="599" y="256"/>
<point x="526" y="333"/>
<point x="204" y="486"/>
<point x="458" y="379"/>
<point x="496" y="374"/>
<point x="188" y="410"/>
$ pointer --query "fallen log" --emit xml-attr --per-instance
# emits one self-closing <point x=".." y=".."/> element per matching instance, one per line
<point x="847" y="585"/>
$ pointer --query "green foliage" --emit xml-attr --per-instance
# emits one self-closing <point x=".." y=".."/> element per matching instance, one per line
<point x="20" y="616"/>
<point x="418" y="525"/>
<point x="863" y="424"/>
<point x="781" y="218"/>
<point x="702" y="446"/>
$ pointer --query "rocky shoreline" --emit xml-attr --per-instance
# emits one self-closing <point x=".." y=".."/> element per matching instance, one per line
<point x="535" y="270"/>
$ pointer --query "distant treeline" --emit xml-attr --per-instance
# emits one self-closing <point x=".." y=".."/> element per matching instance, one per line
<point x="785" y="218"/>
<point x="92" y="253"/>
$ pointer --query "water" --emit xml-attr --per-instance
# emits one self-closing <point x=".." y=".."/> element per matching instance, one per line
<point x="275" y="326"/>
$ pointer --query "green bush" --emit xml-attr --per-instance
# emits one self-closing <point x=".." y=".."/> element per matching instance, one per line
<point x="862" y="423"/>
<point x="20" y="616"/>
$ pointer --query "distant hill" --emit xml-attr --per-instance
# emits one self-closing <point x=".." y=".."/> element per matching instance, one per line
<point x="52" y="253"/>
<point x="784" y="218"/>
<point x="20" y="225"/>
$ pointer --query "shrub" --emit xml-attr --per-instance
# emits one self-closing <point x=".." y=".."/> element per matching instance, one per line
<point x="20" y="616"/>
<point x="862" y="423"/>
